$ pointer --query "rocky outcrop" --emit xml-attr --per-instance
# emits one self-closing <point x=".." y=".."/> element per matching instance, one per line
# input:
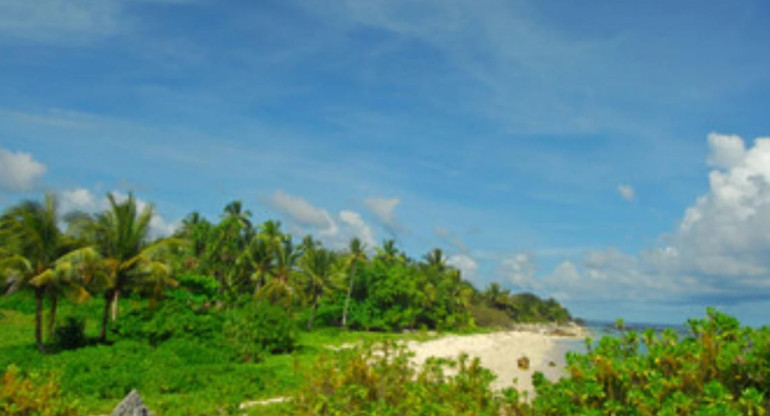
<point x="132" y="405"/>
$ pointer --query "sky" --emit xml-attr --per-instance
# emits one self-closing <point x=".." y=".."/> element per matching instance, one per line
<point x="609" y="154"/>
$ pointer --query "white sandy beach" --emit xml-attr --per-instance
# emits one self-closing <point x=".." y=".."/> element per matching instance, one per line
<point x="499" y="352"/>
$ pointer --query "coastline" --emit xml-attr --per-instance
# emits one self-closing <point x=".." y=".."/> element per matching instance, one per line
<point x="544" y="346"/>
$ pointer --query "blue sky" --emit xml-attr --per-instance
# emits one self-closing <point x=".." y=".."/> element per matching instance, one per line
<point x="603" y="153"/>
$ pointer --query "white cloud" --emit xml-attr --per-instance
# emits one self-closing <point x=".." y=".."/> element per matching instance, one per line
<point x="627" y="192"/>
<point x="301" y="211"/>
<point x="19" y="171"/>
<point x="334" y="230"/>
<point x="84" y="200"/>
<point x="726" y="151"/>
<point x="383" y="209"/>
<point x="466" y="264"/>
<point x="358" y="228"/>
<point x="80" y="199"/>
<point x="719" y="252"/>
<point x="519" y="271"/>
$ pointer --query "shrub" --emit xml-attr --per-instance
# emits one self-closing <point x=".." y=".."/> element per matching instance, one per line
<point x="720" y="369"/>
<point x="381" y="380"/>
<point x="486" y="316"/>
<point x="258" y="328"/>
<point x="71" y="334"/>
<point x="31" y="395"/>
<point x="173" y="319"/>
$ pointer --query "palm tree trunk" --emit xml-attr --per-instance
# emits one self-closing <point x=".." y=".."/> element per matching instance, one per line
<point x="312" y="311"/>
<point x="108" y="298"/>
<point x="52" y="315"/>
<point x="115" y="297"/>
<point x="347" y="298"/>
<point x="39" y="293"/>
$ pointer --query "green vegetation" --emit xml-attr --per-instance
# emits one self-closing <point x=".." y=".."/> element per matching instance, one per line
<point x="220" y="313"/>
<point x="721" y="368"/>
<point x="228" y="312"/>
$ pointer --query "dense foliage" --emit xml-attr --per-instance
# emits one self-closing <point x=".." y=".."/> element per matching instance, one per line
<point x="22" y="395"/>
<point x="720" y="368"/>
<point x="214" y="311"/>
<point x="110" y="255"/>
<point x="381" y="380"/>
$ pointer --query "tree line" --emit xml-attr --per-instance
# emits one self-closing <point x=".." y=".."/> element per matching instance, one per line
<point x="110" y="255"/>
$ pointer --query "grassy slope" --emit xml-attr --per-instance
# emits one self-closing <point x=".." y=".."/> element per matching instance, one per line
<point x="176" y="378"/>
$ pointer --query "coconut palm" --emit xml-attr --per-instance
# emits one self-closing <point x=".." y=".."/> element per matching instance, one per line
<point x="281" y="286"/>
<point x="388" y="252"/>
<point x="436" y="259"/>
<point x="356" y="254"/>
<point x="120" y="234"/>
<point x="257" y="261"/>
<point x="319" y="267"/>
<point x="33" y="244"/>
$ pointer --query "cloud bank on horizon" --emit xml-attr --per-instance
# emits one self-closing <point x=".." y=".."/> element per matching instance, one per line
<point x="557" y="148"/>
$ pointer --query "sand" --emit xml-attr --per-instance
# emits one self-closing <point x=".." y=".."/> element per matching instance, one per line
<point x="500" y="351"/>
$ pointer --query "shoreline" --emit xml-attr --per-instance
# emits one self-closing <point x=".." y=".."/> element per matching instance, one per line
<point x="543" y="345"/>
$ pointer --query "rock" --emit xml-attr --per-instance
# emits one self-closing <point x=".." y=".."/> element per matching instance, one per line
<point x="132" y="405"/>
<point x="523" y="363"/>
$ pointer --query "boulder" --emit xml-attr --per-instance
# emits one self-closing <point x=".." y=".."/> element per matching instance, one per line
<point x="132" y="405"/>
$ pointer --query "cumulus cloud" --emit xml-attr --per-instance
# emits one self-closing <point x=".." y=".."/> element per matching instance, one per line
<point x="627" y="192"/>
<point x="336" y="230"/>
<point x="726" y="151"/>
<point x="19" y="171"/>
<point x="80" y="199"/>
<point x="301" y="211"/>
<point x="358" y="227"/>
<point x="383" y="209"/>
<point x="519" y="271"/>
<point x="84" y="200"/>
<point x="719" y="251"/>
<point x="466" y="264"/>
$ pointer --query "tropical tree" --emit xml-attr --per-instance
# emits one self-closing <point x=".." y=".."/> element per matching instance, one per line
<point x="320" y="269"/>
<point x="388" y="252"/>
<point x="436" y="259"/>
<point x="257" y="261"/>
<point x="33" y="244"/>
<point x="120" y="234"/>
<point x="281" y="286"/>
<point x="356" y="254"/>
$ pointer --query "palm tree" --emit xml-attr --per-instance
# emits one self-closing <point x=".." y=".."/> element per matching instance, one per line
<point x="435" y="258"/>
<point x="196" y="229"/>
<point x="34" y="243"/>
<point x="257" y="258"/>
<point x="121" y="235"/>
<point x="319" y="267"/>
<point x="388" y="252"/>
<point x="356" y="254"/>
<point x="280" y="286"/>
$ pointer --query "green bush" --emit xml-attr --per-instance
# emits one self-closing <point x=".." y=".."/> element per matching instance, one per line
<point x="172" y="319"/>
<point x="721" y="368"/>
<point x="71" y="334"/>
<point x="258" y="328"/>
<point x="32" y="395"/>
<point x="382" y="381"/>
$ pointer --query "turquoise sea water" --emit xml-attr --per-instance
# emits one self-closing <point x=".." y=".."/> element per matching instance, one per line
<point x="600" y="329"/>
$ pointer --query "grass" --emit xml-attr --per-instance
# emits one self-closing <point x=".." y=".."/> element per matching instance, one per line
<point x="178" y="377"/>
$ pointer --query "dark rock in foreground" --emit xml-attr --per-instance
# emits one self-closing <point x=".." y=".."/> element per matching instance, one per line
<point x="132" y="405"/>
